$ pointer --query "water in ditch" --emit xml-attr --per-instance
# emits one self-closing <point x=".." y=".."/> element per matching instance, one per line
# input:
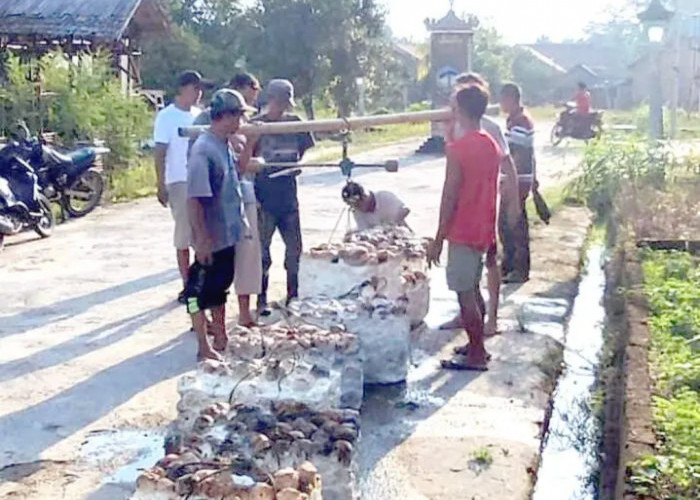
<point x="569" y="464"/>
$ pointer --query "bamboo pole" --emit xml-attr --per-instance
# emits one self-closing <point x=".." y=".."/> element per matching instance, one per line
<point x="330" y="125"/>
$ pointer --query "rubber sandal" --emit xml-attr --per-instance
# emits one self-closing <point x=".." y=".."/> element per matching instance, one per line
<point x="452" y="364"/>
<point x="463" y="351"/>
<point x="450" y="325"/>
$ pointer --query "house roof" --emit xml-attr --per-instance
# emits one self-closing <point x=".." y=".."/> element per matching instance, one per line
<point x="103" y="19"/>
<point x="407" y="51"/>
<point x="602" y="60"/>
<point x="544" y="59"/>
<point x="584" y="69"/>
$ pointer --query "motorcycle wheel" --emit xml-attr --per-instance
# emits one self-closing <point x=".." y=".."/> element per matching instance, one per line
<point x="597" y="130"/>
<point x="557" y="134"/>
<point x="84" y="194"/>
<point x="45" y="226"/>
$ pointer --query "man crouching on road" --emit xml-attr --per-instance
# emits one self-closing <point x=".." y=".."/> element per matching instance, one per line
<point x="468" y="220"/>
<point x="217" y="218"/>
<point x="372" y="209"/>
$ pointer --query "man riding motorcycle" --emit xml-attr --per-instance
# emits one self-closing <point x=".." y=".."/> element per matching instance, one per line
<point x="582" y="100"/>
<point x="578" y="120"/>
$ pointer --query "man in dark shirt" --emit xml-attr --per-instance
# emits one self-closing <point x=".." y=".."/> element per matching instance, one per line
<point x="279" y="206"/>
<point x="520" y="136"/>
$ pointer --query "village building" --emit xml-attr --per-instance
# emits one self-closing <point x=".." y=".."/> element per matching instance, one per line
<point x="32" y="28"/>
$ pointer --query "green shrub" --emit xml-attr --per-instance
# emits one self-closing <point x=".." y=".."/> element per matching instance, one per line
<point x="609" y="166"/>
<point x="82" y="101"/>
<point x="672" y="286"/>
<point x="419" y="106"/>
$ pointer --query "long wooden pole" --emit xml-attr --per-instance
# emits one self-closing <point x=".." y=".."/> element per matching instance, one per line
<point x="331" y="125"/>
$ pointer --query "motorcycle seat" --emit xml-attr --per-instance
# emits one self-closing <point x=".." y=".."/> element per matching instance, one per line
<point x="76" y="158"/>
<point x="83" y="157"/>
<point x="57" y="158"/>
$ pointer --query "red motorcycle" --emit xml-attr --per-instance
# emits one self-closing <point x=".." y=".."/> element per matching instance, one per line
<point x="576" y="126"/>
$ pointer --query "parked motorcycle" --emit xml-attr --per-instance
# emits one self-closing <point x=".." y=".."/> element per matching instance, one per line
<point x="22" y="205"/>
<point x="69" y="179"/>
<point x="575" y="126"/>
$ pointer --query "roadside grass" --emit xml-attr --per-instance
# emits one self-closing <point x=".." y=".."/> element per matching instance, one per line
<point x="365" y="140"/>
<point x="612" y="171"/>
<point x="482" y="457"/>
<point x="136" y="181"/>
<point x="672" y="286"/>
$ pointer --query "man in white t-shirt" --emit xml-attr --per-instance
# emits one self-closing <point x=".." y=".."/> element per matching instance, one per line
<point x="372" y="209"/>
<point x="171" y="162"/>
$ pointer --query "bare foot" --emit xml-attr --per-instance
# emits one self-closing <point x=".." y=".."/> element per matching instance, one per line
<point x="491" y="330"/>
<point x="207" y="353"/>
<point x="247" y="321"/>
<point x="220" y="342"/>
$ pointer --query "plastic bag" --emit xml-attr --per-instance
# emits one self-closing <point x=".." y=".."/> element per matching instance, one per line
<point x="543" y="210"/>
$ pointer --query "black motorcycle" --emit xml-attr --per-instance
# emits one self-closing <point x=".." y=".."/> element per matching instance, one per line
<point x="69" y="179"/>
<point x="572" y="125"/>
<point x="22" y="205"/>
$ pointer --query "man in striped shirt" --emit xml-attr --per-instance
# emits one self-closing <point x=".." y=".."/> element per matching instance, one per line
<point x="520" y="135"/>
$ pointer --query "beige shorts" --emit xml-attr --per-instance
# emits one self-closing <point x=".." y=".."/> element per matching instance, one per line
<point x="464" y="267"/>
<point x="177" y="200"/>
<point x="248" y="277"/>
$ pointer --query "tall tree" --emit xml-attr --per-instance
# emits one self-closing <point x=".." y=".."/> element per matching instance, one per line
<point x="318" y="44"/>
<point x="287" y="39"/>
<point x="492" y="57"/>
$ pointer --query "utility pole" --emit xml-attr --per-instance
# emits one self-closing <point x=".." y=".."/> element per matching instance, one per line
<point x="675" y="93"/>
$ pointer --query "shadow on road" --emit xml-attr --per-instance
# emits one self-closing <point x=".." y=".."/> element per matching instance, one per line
<point x="29" y="432"/>
<point x="78" y="346"/>
<point x="33" y="318"/>
<point x="390" y="414"/>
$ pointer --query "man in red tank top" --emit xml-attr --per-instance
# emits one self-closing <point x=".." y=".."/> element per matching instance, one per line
<point x="468" y="220"/>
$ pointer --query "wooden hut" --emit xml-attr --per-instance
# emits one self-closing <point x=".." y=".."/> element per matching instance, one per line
<point x="34" y="27"/>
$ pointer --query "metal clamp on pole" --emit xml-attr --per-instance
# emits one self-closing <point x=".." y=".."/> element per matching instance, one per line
<point x="346" y="165"/>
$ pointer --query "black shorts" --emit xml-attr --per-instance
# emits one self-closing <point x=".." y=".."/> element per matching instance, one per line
<point x="207" y="286"/>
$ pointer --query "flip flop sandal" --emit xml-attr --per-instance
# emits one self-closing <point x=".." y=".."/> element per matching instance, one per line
<point x="251" y="324"/>
<point x="449" y="326"/>
<point x="463" y="351"/>
<point x="452" y="364"/>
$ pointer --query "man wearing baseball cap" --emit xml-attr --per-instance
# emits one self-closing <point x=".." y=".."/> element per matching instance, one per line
<point x="248" y="265"/>
<point x="171" y="160"/>
<point x="279" y="206"/>
<point x="217" y="217"/>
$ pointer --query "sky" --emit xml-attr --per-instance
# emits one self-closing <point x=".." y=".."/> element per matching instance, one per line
<point x="518" y="21"/>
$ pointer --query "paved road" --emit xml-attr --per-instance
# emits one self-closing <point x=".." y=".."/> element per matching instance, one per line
<point x="91" y="338"/>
